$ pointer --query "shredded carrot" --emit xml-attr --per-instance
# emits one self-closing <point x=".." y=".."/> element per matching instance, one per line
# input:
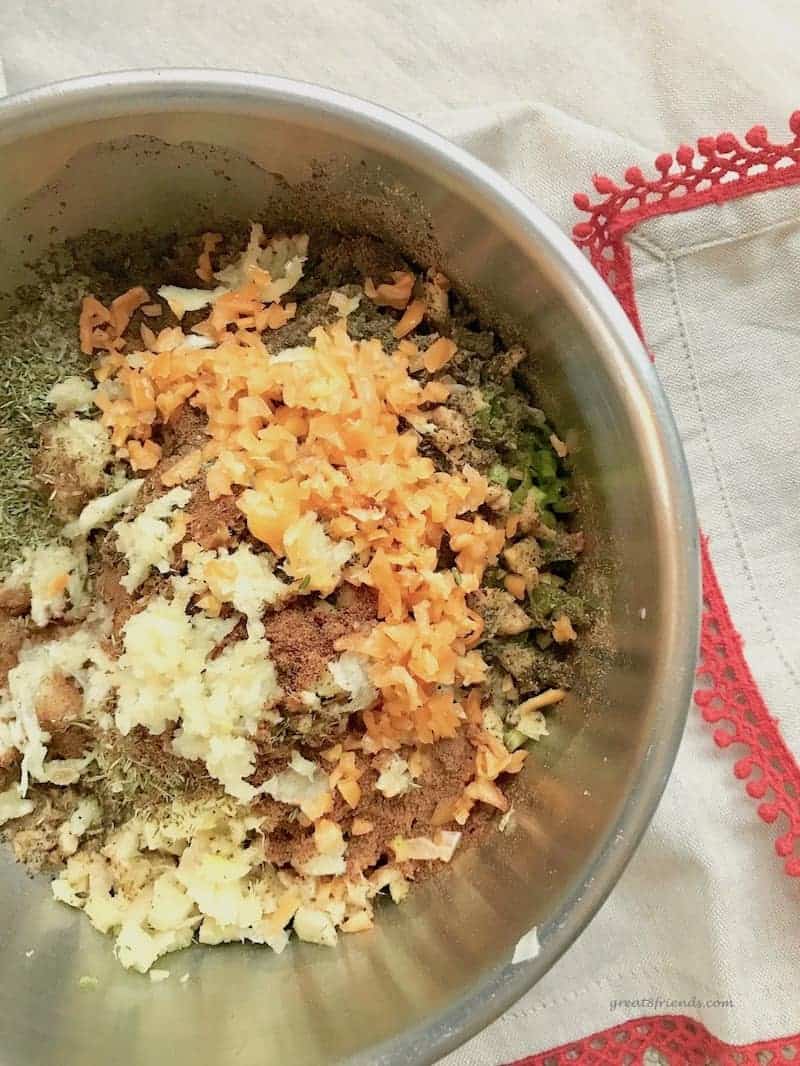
<point x="123" y="307"/>
<point x="436" y="392"/>
<point x="438" y="354"/>
<point x="473" y="706"/>
<point x="101" y="328"/>
<point x="147" y="335"/>
<point x="412" y="316"/>
<point x="487" y="792"/>
<point x="544" y="699"/>
<point x="516" y="762"/>
<point x="58" y="584"/>
<point x="275" y="316"/>
<point x="312" y="442"/>
<point x="184" y="469"/>
<point x="515" y="584"/>
<point x="360" y="827"/>
<point x="350" y="791"/>
<point x="205" y="270"/>
<point x="93" y="316"/>
<point x="563" y="631"/>
<point x="144" y="455"/>
<point x="395" y="294"/>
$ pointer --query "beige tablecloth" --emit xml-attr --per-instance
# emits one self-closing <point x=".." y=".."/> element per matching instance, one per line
<point x="548" y="92"/>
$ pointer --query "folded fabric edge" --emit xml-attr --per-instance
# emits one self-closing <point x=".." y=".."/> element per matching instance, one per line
<point x="721" y="168"/>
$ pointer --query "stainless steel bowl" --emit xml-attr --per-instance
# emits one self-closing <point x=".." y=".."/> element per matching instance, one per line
<point x="173" y="149"/>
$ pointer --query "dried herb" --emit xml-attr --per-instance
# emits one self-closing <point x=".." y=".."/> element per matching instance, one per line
<point x="38" y="347"/>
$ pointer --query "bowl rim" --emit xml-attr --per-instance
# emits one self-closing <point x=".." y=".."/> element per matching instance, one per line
<point x="132" y="92"/>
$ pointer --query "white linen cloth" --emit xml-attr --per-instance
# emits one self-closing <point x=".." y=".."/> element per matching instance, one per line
<point x="548" y="91"/>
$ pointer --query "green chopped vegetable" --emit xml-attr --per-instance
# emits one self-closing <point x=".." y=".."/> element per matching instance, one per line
<point x="499" y="475"/>
<point x="513" y="739"/>
<point x="547" y="601"/>
<point x="531" y="668"/>
<point x="521" y="435"/>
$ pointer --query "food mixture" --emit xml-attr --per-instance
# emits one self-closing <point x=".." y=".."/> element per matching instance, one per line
<point x="303" y="600"/>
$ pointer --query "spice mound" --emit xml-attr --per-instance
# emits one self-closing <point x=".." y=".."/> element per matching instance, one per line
<point x="308" y="603"/>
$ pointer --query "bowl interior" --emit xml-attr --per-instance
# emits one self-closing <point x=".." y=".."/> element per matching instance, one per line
<point x="191" y="154"/>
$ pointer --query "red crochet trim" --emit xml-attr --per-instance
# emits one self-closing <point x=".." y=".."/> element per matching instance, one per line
<point x="722" y="168"/>
<point x="675" y="1039"/>
<point x="732" y="700"/>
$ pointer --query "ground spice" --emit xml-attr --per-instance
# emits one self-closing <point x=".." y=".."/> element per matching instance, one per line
<point x="213" y="523"/>
<point x="449" y="766"/>
<point x="303" y="635"/>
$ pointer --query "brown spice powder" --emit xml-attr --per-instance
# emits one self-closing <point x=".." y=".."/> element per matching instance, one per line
<point x="213" y="523"/>
<point x="13" y="633"/>
<point x="303" y="635"/>
<point x="449" y="766"/>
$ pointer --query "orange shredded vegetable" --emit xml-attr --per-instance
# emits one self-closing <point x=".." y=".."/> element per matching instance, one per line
<point x="438" y="354"/>
<point x="412" y="316"/>
<point x="394" y="294"/>
<point x="312" y="442"/>
<point x="210" y="242"/>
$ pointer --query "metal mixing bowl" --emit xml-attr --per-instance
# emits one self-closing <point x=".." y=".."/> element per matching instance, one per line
<point x="176" y="149"/>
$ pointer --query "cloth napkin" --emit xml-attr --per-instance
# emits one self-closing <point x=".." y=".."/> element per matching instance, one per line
<point x="547" y="93"/>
